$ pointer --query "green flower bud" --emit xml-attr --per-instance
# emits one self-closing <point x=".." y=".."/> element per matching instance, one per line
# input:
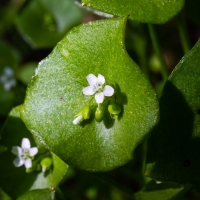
<point x="35" y="167"/>
<point x="82" y="115"/>
<point x="86" y="111"/>
<point x="114" y="116"/>
<point x="100" y="113"/>
<point x="46" y="163"/>
<point x="114" y="108"/>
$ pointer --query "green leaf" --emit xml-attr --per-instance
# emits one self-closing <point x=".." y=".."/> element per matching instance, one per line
<point x="44" y="22"/>
<point x="8" y="56"/>
<point x="173" y="148"/>
<point x="54" y="97"/>
<point x="154" y="11"/>
<point x="11" y="135"/>
<point x="2" y="148"/>
<point x="44" y="194"/>
<point x="164" y="191"/>
<point x="25" y="72"/>
<point x="3" y="195"/>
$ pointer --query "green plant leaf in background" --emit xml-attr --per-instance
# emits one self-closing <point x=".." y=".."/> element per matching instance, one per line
<point x="10" y="176"/>
<point x="2" y="148"/>
<point x="154" y="11"/>
<point x="40" y="194"/>
<point x="165" y="191"/>
<point x="173" y="148"/>
<point x="26" y="71"/>
<point x="3" y="195"/>
<point x="44" y="22"/>
<point x="54" y="97"/>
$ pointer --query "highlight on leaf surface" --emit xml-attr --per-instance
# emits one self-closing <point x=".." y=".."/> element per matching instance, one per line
<point x="99" y="143"/>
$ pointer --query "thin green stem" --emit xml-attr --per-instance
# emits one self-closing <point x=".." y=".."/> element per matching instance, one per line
<point x="158" y="51"/>
<point x="59" y="194"/>
<point x="183" y="33"/>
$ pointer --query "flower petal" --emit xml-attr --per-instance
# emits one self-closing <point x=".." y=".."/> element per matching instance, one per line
<point x="89" y="90"/>
<point x="28" y="163"/>
<point x="33" y="151"/>
<point x="16" y="150"/>
<point x="26" y="143"/>
<point x="18" y="162"/>
<point x="108" y="91"/>
<point x="77" y="119"/>
<point x="92" y="79"/>
<point x="99" y="97"/>
<point x="101" y="79"/>
<point x="8" y="71"/>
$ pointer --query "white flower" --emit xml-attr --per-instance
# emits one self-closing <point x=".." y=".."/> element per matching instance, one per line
<point x="8" y="78"/>
<point x="158" y="182"/>
<point x="96" y="87"/>
<point x="24" y="153"/>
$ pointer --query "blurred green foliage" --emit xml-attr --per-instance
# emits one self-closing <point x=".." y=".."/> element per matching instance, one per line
<point x="29" y="29"/>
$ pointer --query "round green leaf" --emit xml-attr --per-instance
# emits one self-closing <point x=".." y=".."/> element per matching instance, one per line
<point x="44" y="194"/>
<point x="10" y="176"/>
<point x="154" y="11"/>
<point x="44" y="22"/>
<point x="54" y="97"/>
<point x="173" y="148"/>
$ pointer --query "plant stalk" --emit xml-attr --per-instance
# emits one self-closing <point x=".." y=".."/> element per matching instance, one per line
<point x="183" y="33"/>
<point x="158" y="51"/>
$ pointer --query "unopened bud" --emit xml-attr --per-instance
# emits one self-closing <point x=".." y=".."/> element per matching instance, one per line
<point x="82" y="115"/>
<point x="46" y="163"/>
<point x="100" y="113"/>
<point x="114" y="108"/>
<point x="35" y="167"/>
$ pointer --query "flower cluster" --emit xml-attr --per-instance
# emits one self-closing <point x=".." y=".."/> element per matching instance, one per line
<point x="8" y="78"/>
<point x="98" y="88"/>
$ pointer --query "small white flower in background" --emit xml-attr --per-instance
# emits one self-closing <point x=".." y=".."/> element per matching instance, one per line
<point x="24" y="153"/>
<point x="158" y="182"/>
<point x="7" y="78"/>
<point x="96" y="87"/>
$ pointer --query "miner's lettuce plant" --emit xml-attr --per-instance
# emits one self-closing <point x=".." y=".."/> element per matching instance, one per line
<point x="90" y="109"/>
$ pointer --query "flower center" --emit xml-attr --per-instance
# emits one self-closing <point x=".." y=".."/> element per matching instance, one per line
<point x="25" y="154"/>
<point x="98" y="87"/>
